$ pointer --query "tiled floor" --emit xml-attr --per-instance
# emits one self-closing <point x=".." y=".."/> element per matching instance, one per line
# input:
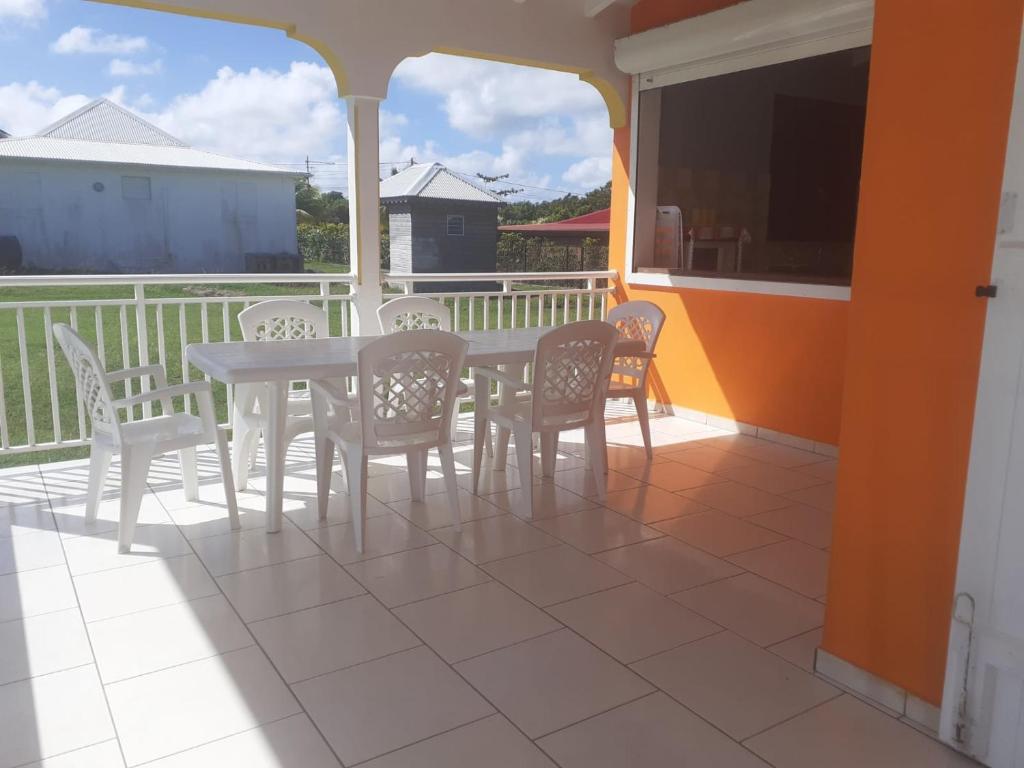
<point x="673" y="625"/>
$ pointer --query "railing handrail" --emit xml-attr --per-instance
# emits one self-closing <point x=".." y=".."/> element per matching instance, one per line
<point x="474" y="277"/>
<point x="62" y="280"/>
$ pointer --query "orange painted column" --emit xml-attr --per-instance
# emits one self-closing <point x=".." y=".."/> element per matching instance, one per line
<point x="938" y="111"/>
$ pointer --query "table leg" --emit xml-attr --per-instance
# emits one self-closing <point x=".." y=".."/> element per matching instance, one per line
<point x="275" y="447"/>
<point x="505" y="396"/>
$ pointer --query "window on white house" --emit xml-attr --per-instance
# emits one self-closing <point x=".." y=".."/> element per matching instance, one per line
<point x="456" y="225"/>
<point x="136" y="188"/>
<point x="753" y="174"/>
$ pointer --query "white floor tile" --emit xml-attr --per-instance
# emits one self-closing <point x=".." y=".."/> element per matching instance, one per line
<point x="632" y="622"/>
<point x="42" y="644"/>
<point x="733" y="684"/>
<point x="89" y="554"/>
<point x="339" y="510"/>
<point x="581" y="481"/>
<point x="329" y="637"/>
<point x="548" y="500"/>
<point x="28" y="518"/>
<point x="30" y="552"/>
<point x="376" y="707"/>
<point x="672" y="476"/>
<point x="648" y="504"/>
<point x="148" y="641"/>
<point x="769" y="478"/>
<point x="551" y="681"/>
<point x="186" y="706"/>
<point x="718" y="533"/>
<point x="107" y="594"/>
<point x="821" y="497"/>
<point x="70" y="515"/>
<point x="197" y="520"/>
<point x="495" y="537"/>
<point x="36" y="592"/>
<point x="244" y="550"/>
<point x="595" y="530"/>
<point x="806" y="524"/>
<point x="800" y="650"/>
<point x="476" y="620"/>
<point x="847" y="733"/>
<point x="492" y="742"/>
<point x="289" y="743"/>
<point x="382" y="535"/>
<point x="792" y="564"/>
<point x="755" y="608"/>
<point x="654" y="731"/>
<point x="555" y="574"/>
<point x="736" y="499"/>
<point x="667" y="565"/>
<point x="435" y="511"/>
<point x="52" y="714"/>
<point x="417" y="574"/>
<point x="104" y="755"/>
<point x="265" y="592"/>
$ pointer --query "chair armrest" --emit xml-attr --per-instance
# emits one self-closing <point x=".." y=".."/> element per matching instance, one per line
<point x="332" y="392"/>
<point x="502" y="378"/>
<point x="637" y="355"/>
<point x="192" y="388"/>
<point x="156" y="371"/>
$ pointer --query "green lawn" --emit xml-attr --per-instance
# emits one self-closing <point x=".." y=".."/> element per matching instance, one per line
<point x="178" y="318"/>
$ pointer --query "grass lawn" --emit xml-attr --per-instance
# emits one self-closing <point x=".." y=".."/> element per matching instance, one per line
<point x="181" y="316"/>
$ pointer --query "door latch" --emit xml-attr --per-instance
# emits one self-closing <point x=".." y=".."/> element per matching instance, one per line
<point x="985" y="291"/>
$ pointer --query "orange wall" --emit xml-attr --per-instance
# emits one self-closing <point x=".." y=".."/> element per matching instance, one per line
<point x="938" y="111"/>
<point x="772" y="361"/>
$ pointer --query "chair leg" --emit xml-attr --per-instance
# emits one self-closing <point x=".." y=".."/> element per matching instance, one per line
<point x="548" y="453"/>
<point x="524" y="457"/>
<point x="480" y="429"/>
<point x="450" y="483"/>
<point x="243" y="437"/>
<point x="99" y="465"/>
<point x="355" y="460"/>
<point x="640" y="401"/>
<point x="134" y="469"/>
<point x="324" y="447"/>
<point x="189" y="473"/>
<point x="229" y="482"/>
<point x="596" y="453"/>
<point x="416" y="461"/>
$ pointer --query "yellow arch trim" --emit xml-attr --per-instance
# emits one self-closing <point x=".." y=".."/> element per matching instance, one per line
<point x="617" y="114"/>
<point x="325" y="51"/>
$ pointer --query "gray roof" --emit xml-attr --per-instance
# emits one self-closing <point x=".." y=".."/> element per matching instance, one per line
<point x="102" y="132"/>
<point x="433" y="180"/>
<point x="103" y="120"/>
<point x="4" y="134"/>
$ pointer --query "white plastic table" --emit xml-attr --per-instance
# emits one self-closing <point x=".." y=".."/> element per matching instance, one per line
<point x="276" y="363"/>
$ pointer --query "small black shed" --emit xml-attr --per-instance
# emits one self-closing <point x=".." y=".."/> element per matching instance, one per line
<point x="440" y="222"/>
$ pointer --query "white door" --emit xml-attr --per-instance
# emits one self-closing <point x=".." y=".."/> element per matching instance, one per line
<point x="983" y="702"/>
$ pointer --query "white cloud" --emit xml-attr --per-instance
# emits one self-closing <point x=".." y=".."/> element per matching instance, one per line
<point x="90" y="40"/>
<point x="25" y="108"/>
<point x="26" y="11"/>
<point x="128" y="68"/>
<point x="589" y="173"/>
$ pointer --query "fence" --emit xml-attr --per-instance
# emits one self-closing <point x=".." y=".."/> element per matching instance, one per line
<point x="141" y="319"/>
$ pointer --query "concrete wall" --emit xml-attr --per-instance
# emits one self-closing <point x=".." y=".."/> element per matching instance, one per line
<point x="194" y="221"/>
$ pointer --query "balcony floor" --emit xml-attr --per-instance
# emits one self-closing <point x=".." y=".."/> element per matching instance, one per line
<point x="674" y="626"/>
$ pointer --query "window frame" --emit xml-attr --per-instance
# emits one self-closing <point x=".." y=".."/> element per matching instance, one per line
<point x="719" y="55"/>
<point x="448" y="224"/>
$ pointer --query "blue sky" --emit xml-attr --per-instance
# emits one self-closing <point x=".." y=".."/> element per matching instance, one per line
<point x="255" y="93"/>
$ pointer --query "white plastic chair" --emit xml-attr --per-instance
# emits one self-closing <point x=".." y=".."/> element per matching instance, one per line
<point x="407" y="383"/>
<point x="639" y="321"/>
<point x="274" y="320"/>
<point x="410" y="313"/>
<point x="141" y="440"/>
<point x="570" y="373"/>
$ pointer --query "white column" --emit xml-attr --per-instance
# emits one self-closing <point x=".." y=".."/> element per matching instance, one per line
<point x="364" y="209"/>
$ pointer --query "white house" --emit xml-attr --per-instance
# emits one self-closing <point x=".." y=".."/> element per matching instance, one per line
<point x="104" y="191"/>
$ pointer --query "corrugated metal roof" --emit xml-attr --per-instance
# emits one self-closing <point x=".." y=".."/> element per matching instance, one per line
<point x="103" y="120"/>
<point x="46" y="148"/>
<point x="596" y="221"/>
<point x="433" y="180"/>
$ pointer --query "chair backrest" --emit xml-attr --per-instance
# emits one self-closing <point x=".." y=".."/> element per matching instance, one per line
<point x="413" y="313"/>
<point x="409" y="382"/>
<point x="570" y="372"/>
<point x="90" y="381"/>
<point x="640" y="321"/>
<point x="283" y="320"/>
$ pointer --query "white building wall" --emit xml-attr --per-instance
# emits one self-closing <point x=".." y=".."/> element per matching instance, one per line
<point x="194" y="221"/>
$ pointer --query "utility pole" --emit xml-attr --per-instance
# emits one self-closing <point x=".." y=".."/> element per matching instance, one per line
<point x="307" y="165"/>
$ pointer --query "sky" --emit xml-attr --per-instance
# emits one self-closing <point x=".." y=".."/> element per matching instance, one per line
<point x="256" y="94"/>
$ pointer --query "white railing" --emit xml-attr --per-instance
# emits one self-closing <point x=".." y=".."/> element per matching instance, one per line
<point x="135" y="320"/>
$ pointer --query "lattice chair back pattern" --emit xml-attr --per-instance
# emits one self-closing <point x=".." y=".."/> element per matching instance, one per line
<point x="640" y="321"/>
<point x="413" y="313"/>
<point x="282" y="320"/>
<point x="571" y="369"/>
<point x="413" y="380"/>
<point x="90" y="380"/>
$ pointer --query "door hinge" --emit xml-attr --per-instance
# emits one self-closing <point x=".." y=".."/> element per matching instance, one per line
<point x="985" y="291"/>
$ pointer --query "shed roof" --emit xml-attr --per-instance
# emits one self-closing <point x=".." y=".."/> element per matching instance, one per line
<point x="103" y="132"/>
<point x="594" y="222"/>
<point x="433" y="180"/>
